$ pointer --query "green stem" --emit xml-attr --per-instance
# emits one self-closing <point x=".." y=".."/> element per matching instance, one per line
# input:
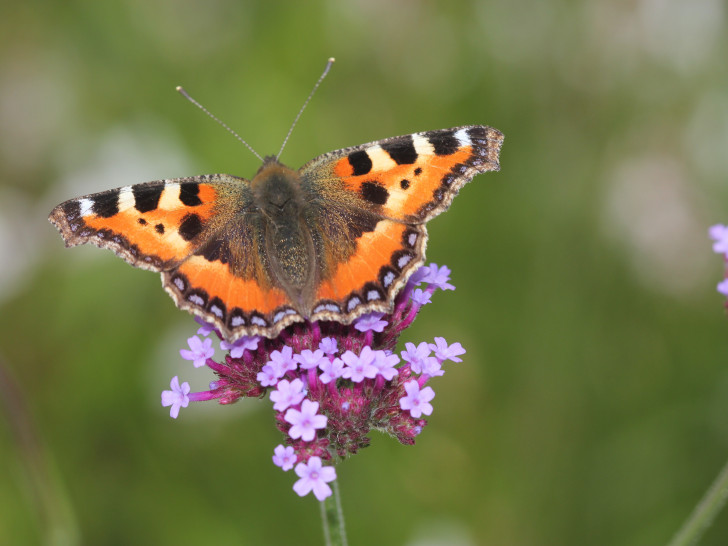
<point x="704" y="513"/>
<point x="332" y="518"/>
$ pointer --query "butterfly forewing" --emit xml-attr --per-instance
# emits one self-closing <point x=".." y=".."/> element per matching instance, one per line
<point x="409" y="178"/>
<point x="154" y="226"/>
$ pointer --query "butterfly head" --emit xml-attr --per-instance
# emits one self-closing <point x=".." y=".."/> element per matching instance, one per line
<point x="277" y="190"/>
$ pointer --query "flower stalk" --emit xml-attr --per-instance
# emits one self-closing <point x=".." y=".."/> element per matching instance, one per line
<point x="705" y="512"/>
<point x="332" y="518"/>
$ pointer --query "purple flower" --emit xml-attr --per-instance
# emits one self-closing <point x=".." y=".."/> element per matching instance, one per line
<point x="359" y="367"/>
<point x="331" y="370"/>
<point x="314" y="477"/>
<point x="283" y="359"/>
<point x="445" y="352"/>
<point x="309" y="359"/>
<point x="289" y="393"/>
<point x="417" y="356"/>
<point x="432" y="367"/>
<point x="306" y="421"/>
<point x="420" y="297"/>
<point x="439" y="277"/>
<point x="237" y="348"/>
<point x="284" y="457"/>
<point x="205" y="328"/>
<point x="269" y="375"/>
<point x="199" y="351"/>
<point x="418" y="276"/>
<point x="414" y="352"/>
<point x="417" y="401"/>
<point x="384" y="363"/>
<point x="328" y="346"/>
<point x="371" y="321"/>
<point x="177" y="397"/>
<point x="719" y="233"/>
<point x="723" y="287"/>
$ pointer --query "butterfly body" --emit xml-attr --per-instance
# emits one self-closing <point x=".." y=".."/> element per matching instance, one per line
<point x="286" y="224"/>
<point x="331" y="241"/>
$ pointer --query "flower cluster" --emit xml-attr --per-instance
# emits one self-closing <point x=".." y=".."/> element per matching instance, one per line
<point x="719" y="234"/>
<point x="330" y="383"/>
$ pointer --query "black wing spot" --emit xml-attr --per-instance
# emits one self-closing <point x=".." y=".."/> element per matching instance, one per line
<point x="360" y="162"/>
<point x="146" y="198"/>
<point x="404" y="183"/>
<point x="360" y="223"/>
<point x="72" y="210"/>
<point x="216" y="250"/>
<point x="159" y="228"/>
<point x="374" y="193"/>
<point x="106" y="204"/>
<point x="477" y="132"/>
<point x="418" y="171"/>
<point x="189" y="194"/>
<point x="142" y="222"/>
<point x="401" y="150"/>
<point x="190" y="227"/>
<point x="444" y="142"/>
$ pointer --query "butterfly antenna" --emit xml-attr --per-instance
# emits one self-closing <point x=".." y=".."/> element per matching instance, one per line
<point x="321" y="78"/>
<point x="193" y="101"/>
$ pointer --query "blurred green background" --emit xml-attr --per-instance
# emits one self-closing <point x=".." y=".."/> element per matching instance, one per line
<point x="592" y="406"/>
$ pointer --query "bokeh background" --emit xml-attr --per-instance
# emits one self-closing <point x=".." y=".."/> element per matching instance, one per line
<point x="592" y="406"/>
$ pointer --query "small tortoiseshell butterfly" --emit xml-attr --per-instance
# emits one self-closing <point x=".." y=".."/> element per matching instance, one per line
<point x="333" y="240"/>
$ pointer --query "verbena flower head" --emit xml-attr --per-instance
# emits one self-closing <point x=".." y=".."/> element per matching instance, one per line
<point x="331" y="384"/>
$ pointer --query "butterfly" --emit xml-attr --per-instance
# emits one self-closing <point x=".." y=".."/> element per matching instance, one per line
<point x="331" y="241"/>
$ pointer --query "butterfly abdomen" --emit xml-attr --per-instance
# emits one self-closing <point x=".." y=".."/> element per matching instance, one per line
<point x="288" y="242"/>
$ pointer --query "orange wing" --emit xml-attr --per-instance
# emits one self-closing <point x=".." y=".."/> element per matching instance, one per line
<point x="194" y="231"/>
<point x="153" y="226"/>
<point x="391" y="188"/>
<point x="410" y="178"/>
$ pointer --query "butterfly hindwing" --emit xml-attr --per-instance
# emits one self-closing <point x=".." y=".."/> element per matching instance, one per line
<point x="237" y="306"/>
<point x="228" y="281"/>
<point x="377" y="265"/>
